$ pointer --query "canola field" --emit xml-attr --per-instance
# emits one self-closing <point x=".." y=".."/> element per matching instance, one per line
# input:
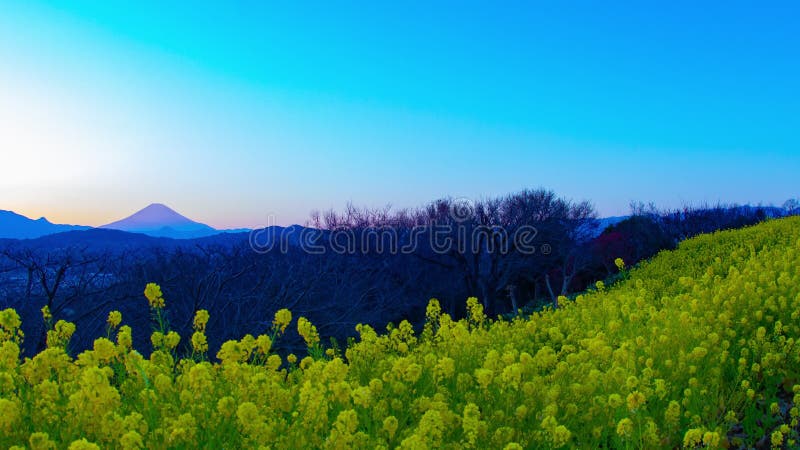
<point x="696" y="348"/>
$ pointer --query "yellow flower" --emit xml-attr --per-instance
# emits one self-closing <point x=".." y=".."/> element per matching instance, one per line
<point x="635" y="400"/>
<point x="445" y="368"/>
<point x="620" y="264"/>
<point x="283" y="317"/>
<point x="157" y="339"/>
<point x="125" y="337"/>
<point x="625" y="427"/>
<point x="484" y="377"/>
<point x="776" y="439"/>
<point x="41" y="441"/>
<point x="273" y="362"/>
<point x="226" y="406"/>
<point x="9" y="319"/>
<point x="347" y="421"/>
<point x="47" y="316"/>
<point x="561" y="436"/>
<point x="390" y="426"/>
<point x="475" y="310"/>
<point x="131" y="441"/>
<point x="171" y="340"/>
<point x="362" y="396"/>
<point x="232" y="351"/>
<point x="433" y="310"/>
<point x="60" y="334"/>
<point x="711" y="439"/>
<point x="9" y="415"/>
<point x="104" y="350"/>
<point x="83" y="444"/>
<point x="614" y="400"/>
<point x="693" y="438"/>
<point x="9" y="357"/>
<point x="263" y="344"/>
<point x="199" y="342"/>
<point x="248" y="415"/>
<point x="200" y="320"/>
<point x="153" y="294"/>
<point x="114" y="319"/>
<point x="307" y="331"/>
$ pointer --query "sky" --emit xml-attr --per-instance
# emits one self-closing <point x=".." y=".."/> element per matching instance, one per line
<point x="233" y="114"/>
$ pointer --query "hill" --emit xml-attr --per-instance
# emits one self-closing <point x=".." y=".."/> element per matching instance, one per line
<point x="696" y="347"/>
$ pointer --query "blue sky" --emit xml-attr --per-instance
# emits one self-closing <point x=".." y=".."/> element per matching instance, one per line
<point x="232" y="113"/>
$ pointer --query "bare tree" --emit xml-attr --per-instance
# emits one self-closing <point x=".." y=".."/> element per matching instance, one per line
<point x="491" y="243"/>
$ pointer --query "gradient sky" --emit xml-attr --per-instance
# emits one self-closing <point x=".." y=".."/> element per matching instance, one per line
<point x="232" y="113"/>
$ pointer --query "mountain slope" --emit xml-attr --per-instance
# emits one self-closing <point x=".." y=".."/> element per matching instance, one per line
<point x="161" y="221"/>
<point x="16" y="226"/>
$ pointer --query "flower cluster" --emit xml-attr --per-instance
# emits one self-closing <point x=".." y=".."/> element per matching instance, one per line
<point x="308" y="331"/>
<point x="283" y="317"/>
<point x="153" y="294"/>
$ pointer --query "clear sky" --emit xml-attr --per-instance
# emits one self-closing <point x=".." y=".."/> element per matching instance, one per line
<point x="231" y="113"/>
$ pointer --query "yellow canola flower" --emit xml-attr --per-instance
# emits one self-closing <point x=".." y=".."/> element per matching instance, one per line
<point x="41" y="441"/>
<point x="390" y="425"/>
<point x="200" y="320"/>
<point x="153" y="294"/>
<point x="308" y="331"/>
<point x="114" y="319"/>
<point x="125" y="337"/>
<point x="776" y="439"/>
<point x="104" y="350"/>
<point x="9" y="415"/>
<point x="625" y="427"/>
<point x="83" y="444"/>
<point x="635" y="400"/>
<point x="131" y="440"/>
<point x="171" y="340"/>
<point x="46" y="314"/>
<point x="283" y="317"/>
<point x="9" y="324"/>
<point x="263" y="344"/>
<point x="199" y="342"/>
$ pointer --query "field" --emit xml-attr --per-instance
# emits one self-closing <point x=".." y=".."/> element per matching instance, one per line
<point x="694" y="348"/>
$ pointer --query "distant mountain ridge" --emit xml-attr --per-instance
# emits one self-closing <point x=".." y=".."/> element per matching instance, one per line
<point x="159" y="220"/>
<point x="17" y="226"/>
<point x="155" y="220"/>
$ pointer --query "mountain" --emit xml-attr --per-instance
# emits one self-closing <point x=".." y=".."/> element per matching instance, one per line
<point x="160" y="221"/>
<point x="16" y="226"/>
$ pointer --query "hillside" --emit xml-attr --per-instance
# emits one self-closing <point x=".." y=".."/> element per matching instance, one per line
<point x="695" y="347"/>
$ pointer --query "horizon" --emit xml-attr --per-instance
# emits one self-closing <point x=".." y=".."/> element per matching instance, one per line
<point x="271" y="222"/>
<point x="232" y="115"/>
